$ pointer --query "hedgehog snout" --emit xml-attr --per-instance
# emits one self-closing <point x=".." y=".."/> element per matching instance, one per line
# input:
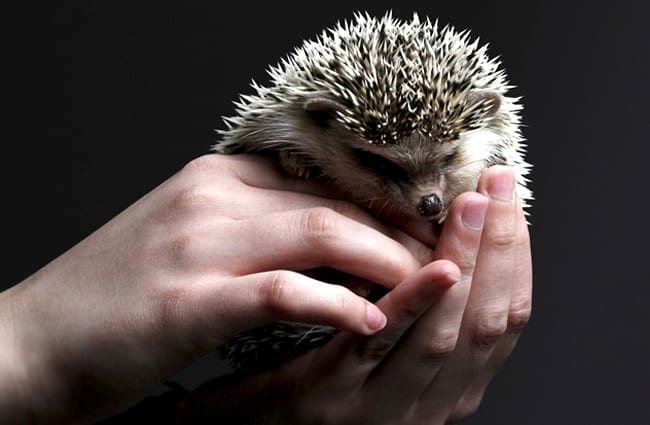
<point x="430" y="205"/>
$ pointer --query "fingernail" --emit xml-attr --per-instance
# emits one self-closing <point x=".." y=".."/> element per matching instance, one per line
<point x="502" y="186"/>
<point x="375" y="318"/>
<point x="474" y="213"/>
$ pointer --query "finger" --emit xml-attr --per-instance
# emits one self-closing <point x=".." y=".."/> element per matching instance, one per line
<point x="305" y="239"/>
<point x="251" y="301"/>
<point x="518" y="317"/>
<point x="272" y="201"/>
<point x="262" y="173"/>
<point x="485" y="318"/>
<point x="251" y="186"/>
<point x="415" y="361"/>
<point x="354" y="358"/>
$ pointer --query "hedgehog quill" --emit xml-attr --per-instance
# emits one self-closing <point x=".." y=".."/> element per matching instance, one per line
<point x="401" y="116"/>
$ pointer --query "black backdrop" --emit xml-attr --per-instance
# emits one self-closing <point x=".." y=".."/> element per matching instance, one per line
<point x="109" y="98"/>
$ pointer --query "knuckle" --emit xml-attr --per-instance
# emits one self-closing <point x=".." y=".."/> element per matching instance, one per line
<point x="466" y="262"/>
<point x="440" y="346"/>
<point x="170" y="303"/>
<point x="193" y="196"/>
<point x="488" y="329"/>
<point x="502" y="236"/>
<point x="467" y="407"/>
<point x="275" y="292"/>
<point x="201" y="164"/>
<point x="181" y="248"/>
<point x="318" y="226"/>
<point x="519" y="316"/>
<point x="373" y="350"/>
<point x="411" y="311"/>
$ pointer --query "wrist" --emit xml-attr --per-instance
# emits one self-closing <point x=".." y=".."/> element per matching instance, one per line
<point x="26" y="392"/>
<point x="14" y="388"/>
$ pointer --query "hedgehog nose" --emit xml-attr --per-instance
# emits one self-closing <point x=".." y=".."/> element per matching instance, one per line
<point x="430" y="205"/>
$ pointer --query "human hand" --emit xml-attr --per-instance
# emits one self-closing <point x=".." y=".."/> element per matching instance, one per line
<point x="446" y="336"/>
<point x="204" y="256"/>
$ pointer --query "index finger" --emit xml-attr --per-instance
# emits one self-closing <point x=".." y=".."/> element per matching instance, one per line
<point x="310" y="238"/>
<point x="278" y="191"/>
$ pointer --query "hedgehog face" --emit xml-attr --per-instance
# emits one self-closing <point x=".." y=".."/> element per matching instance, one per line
<point x="419" y="176"/>
<point x="416" y="176"/>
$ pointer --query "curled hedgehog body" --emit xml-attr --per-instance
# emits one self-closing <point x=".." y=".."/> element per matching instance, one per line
<point x="401" y="116"/>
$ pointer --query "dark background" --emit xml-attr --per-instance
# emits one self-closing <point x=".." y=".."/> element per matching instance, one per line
<point x="107" y="99"/>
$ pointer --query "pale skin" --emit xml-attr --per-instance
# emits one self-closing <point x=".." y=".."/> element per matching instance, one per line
<point x="216" y="250"/>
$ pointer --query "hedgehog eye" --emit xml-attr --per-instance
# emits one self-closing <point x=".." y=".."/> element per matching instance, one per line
<point x="448" y="158"/>
<point x="380" y="165"/>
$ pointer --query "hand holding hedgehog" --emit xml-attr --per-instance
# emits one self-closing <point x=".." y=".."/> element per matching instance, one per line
<point x="197" y="260"/>
<point x="164" y="282"/>
<point x="204" y="256"/>
<point x="447" y="334"/>
<point x="401" y="117"/>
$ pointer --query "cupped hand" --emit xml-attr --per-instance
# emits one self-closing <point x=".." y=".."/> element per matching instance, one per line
<point x="451" y="325"/>
<point x="211" y="252"/>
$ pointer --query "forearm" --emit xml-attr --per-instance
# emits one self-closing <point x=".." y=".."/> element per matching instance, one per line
<point x="29" y="389"/>
<point x="14" y="373"/>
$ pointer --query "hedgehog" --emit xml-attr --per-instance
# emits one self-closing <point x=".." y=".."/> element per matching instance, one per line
<point x="401" y="116"/>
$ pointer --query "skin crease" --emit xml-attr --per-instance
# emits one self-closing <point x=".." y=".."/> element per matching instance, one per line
<point x="208" y="254"/>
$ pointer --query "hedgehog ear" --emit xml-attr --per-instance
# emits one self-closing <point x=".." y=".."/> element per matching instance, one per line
<point x="489" y="97"/>
<point x="322" y="109"/>
<point x="322" y="104"/>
